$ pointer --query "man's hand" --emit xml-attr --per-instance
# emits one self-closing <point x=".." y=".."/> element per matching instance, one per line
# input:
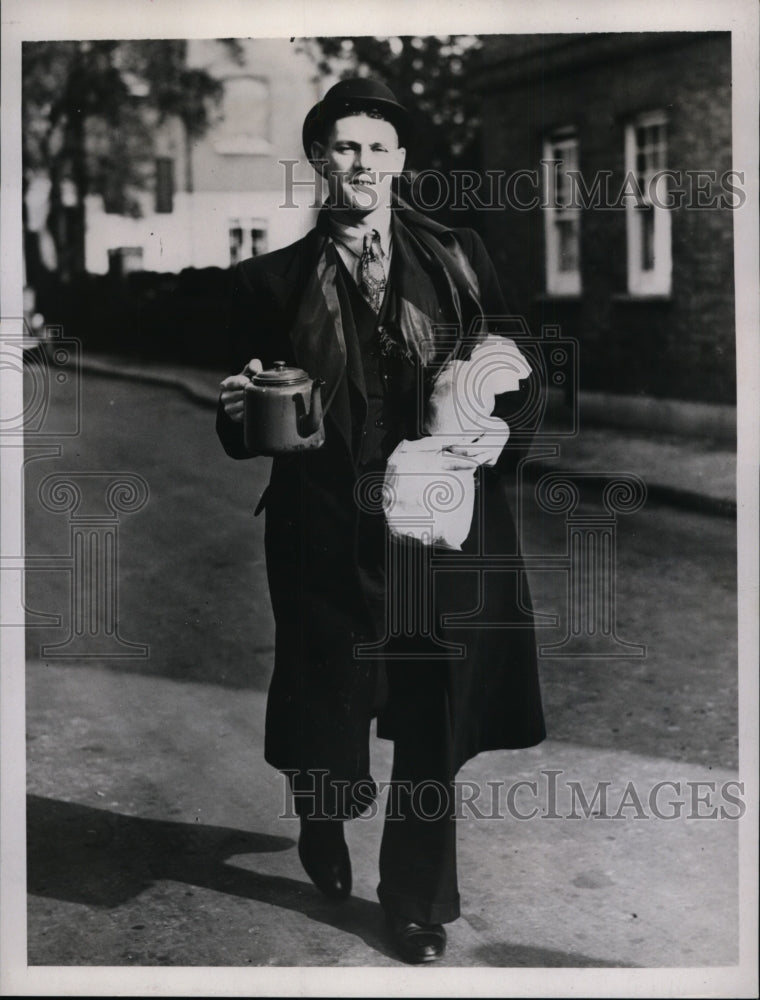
<point x="482" y="451"/>
<point x="233" y="390"/>
<point x="460" y="458"/>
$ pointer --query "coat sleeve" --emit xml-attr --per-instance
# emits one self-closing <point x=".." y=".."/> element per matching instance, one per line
<point x="501" y="320"/>
<point x="241" y="338"/>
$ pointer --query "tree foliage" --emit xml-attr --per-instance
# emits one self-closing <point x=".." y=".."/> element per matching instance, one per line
<point x="429" y="76"/>
<point x="90" y="110"/>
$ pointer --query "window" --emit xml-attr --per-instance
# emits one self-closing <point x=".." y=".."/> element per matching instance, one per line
<point x="244" y="128"/>
<point x="248" y="238"/>
<point x="562" y="220"/>
<point x="647" y="218"/>
<point x="164" y="184"/>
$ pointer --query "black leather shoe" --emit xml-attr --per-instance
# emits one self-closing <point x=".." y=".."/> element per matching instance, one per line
<point x="325" y="858"/>
<point x="417" y="943"/>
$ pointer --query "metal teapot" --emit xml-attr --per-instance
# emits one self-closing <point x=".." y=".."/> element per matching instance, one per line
<point x="283" y="411"/>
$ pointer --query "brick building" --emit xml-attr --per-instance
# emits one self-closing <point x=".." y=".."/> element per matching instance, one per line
<point x="634" y="263"/>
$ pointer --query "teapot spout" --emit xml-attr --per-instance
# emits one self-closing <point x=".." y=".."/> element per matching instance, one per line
<point x="311" y="422"/>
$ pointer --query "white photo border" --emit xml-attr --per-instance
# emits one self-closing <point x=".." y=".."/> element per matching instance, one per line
<point x="72" y="19"/>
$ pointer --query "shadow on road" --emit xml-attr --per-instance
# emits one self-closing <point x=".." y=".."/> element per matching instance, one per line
<point x="95" y="857"/>
<point x="519" y="956"/>
<point x="98" y="858"/>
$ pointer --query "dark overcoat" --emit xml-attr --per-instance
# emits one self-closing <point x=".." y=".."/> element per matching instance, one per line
<point x="323" y="691"/>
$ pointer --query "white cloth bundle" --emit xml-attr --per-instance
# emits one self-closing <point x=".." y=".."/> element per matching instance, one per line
<point x="429" y="489"/>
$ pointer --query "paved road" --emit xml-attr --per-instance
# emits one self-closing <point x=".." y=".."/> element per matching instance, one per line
<point x="192" y="584"/>
<point x="153" y="830"/>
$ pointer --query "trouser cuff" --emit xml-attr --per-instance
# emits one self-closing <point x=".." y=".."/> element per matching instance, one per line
<point x="422" y="911"/>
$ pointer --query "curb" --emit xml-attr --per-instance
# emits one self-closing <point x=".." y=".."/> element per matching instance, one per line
<point x="197" y="393"/>
<point x="700" y="503"/>
<point x="672" y="496"/>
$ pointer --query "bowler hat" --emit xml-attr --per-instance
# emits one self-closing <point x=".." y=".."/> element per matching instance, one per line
<point x="356" y="94"/>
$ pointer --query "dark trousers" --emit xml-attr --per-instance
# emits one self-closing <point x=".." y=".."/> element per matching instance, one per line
<point x="418" y="869"/>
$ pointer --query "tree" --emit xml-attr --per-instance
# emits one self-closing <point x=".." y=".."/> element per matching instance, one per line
<point x="430" y="76"/>
<point x="90" y="110"/>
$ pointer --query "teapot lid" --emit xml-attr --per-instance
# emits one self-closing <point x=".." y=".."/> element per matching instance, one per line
<point x="280" y="374"/>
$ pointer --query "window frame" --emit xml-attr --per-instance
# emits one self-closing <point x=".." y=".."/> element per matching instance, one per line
<point x="643" y="281"/>
<point x="246" y="247"/>
<point x="560" y="281"/>
<point x="244" y="141"/>
<point x="165" y="185"/>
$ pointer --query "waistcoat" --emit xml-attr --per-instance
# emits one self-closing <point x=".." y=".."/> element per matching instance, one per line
<point x="390" y="382"/>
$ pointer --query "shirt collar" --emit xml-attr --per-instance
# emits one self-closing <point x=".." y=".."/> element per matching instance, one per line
<point x="352" y="235"/>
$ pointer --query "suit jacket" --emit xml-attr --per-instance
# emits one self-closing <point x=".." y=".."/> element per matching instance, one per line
<point x="322" y="695"/>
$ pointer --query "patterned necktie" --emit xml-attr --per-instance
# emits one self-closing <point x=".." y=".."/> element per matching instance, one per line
<point x="372" y="279"/>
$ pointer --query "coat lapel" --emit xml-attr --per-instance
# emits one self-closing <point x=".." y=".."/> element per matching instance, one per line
<point x="316" y="334"/>
<point x="307" y="292"/>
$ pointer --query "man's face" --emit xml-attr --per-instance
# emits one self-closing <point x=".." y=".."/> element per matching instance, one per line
<point x="362" y="155"/>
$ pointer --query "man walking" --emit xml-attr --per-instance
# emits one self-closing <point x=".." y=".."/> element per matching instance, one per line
<point x="384" y="306"/>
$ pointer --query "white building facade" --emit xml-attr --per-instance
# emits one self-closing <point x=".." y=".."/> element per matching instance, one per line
<point x="245" y="188"/>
